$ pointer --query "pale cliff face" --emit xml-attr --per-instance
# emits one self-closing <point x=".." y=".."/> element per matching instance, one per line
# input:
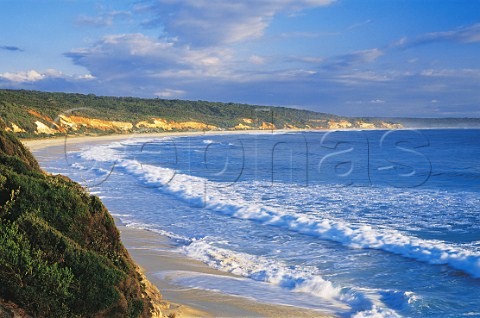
<point x="160" y="123"/>
<point x="14" y="128"/>
<point x="75" y="122"/>
<point x="243" y="127"/>
<point x="64" y="124"/>
<point x="267" y="126"/>
<point x="342" y="124"/>
<point x="44" y="129"/>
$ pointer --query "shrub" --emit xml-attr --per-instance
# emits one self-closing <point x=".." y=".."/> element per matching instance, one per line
<point x="60" y="252"/>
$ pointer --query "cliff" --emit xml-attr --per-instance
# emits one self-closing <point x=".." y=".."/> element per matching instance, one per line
<point x="60" y="252"/>
<point x="40" y="114"/>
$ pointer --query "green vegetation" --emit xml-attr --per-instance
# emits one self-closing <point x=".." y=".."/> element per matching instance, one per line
<point x="60" y="252"/>
<point x="15" y="104"/>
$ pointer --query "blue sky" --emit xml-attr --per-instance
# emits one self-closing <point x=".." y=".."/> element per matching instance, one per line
<point x="348" y="57"/>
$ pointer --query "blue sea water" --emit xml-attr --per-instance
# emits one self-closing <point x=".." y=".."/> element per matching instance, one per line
<point x="358" y="223"/>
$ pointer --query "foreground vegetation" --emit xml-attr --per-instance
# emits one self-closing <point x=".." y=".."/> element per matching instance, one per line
<point x="60" y="252"/>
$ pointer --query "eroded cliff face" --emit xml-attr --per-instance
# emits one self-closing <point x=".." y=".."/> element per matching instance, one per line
<point x="351" y="124"/>
<point x="41" y="114"/>
<point x="74" y="124"/>
<point x="14" y="128"/>
<point x="166" y="125"/>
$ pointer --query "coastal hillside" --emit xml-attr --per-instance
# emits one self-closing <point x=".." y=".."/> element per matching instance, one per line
<point x="60" y="252"/>
<point x="37" y="114"/>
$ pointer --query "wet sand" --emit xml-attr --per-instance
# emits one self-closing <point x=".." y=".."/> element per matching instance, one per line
<point x="37" y="144"/>
<point x="160" y="262"/>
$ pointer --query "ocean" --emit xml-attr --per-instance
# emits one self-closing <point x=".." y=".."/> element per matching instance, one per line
<point x="355" y="223"/>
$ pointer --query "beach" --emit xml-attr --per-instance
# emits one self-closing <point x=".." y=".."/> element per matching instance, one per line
<point x="248" y="224"/>
<point x="36" y="144"/>
<point x="160" y="262"/>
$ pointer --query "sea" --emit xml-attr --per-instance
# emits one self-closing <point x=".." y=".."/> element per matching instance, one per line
<point x="353" y="223"/>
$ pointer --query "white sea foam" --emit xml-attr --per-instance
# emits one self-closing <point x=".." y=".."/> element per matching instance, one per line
<point x="226" y="201"/>
<point x="115" y="150"/>
<point x="244" y="287"/>
<point x="376" y="312"/>
<point x="102" y="153"/>
<point x="263" y="269"/>
<point x="77" y="165"/>
<point x="298" y="279"/>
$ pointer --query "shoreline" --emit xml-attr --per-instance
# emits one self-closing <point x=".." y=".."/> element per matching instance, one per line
<point x="156" y="256"/>
<point x="41" y="143"/>
<point x="160" y="263"/>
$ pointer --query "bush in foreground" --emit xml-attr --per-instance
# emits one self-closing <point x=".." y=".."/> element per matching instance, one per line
<point x="60" y="252"/>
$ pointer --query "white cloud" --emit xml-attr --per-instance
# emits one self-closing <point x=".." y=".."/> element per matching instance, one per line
<point x="19" y="77"/>
<point x="136" y="55"/>
<point x="400" y="42"/>
<point x="309" y="59"/>
<point x="458" y="73"/>
<point x="367" y="56"/>
<point x="219" y="22"/>
<point x="193" y="58"/>
<point x="257" y="60"/>
<point x="104" y="20"/>
<point x="93" y="21"/>
<point x="36" y="76"/>
<point x="359" y="25"/>
<point x="169" y="93"/>
<point x="469" y="34"/>
<point x="354" y="59"/>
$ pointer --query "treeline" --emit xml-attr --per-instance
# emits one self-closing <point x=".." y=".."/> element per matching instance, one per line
<point x="14" y="106"/>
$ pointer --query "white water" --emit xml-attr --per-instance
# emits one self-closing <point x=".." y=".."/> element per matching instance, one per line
<point x="382" y="239"/>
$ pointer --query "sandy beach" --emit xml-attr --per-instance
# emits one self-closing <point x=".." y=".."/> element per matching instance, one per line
<point x="37" y="144"/>
<point x="161" y="263"/>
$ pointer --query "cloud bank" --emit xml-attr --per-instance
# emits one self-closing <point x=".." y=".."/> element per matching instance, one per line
<point x="219" y="22"/>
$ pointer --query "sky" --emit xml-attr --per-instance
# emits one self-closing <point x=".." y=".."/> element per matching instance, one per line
<point x="409" y="58"/>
